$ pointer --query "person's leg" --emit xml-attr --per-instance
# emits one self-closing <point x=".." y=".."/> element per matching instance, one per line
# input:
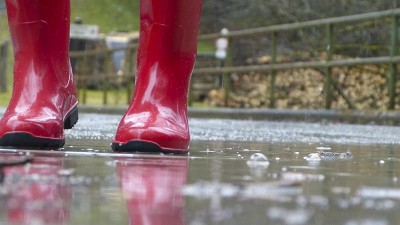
<point x="44" y="99"/>
<point x="157" y="117"/>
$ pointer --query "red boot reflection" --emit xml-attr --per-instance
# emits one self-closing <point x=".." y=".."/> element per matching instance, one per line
<point x="36" y="194"/>
<point x="152" y="188"/>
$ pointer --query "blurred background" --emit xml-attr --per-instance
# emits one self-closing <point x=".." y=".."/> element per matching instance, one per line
<point x="285" y="54"/>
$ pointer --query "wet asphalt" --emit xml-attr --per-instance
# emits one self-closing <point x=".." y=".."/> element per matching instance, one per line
<point x="222" y="181"/>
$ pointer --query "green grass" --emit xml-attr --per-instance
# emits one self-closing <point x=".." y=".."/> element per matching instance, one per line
<point x="115" y="97"/>
<point x="206" y="46"/>
<point x="110" y="15"/>
<point x="95" y="97"/>
<point x="201" y="105"/>
<point x="4" y="98"/>
<point x="4" y="35"/>
<point x="3" y="27"/>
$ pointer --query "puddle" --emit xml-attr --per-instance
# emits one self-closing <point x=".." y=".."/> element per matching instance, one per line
<point x="238" y="172"/>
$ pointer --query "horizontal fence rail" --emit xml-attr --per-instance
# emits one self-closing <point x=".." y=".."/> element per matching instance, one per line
<point x="86" y="53"/>
<point x="301" y="25"/>
<point x="299" y="65"/>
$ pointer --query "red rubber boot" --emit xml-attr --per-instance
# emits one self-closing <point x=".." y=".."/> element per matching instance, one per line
<point x="157" y="117"/>
<point x="43" y="101"/>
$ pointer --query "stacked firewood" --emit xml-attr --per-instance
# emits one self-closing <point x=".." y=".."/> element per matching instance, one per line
<point x="364" y="87"/>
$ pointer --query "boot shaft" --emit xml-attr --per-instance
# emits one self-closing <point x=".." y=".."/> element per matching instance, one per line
<point x="180" y="19"/>
<point x="167" y="48"/>
<point x="39" y="27"/>
<point x="40" y="36"/>
<point x="156" y="119"/>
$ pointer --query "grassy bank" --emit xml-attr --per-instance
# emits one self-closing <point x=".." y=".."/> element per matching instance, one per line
<point x="110" y="15"/>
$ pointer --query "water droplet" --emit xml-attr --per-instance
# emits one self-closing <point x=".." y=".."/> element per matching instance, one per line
<point x="324" y="148"/>
<point x="313" y="157"/>
<point x="258" y="157"/>
<point x="112" y="163"/>
<point x="66" y="172"/>
<point x="258" y="160"/>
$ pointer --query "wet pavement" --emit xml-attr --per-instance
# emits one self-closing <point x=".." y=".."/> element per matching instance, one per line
<point x="238" y="172"/>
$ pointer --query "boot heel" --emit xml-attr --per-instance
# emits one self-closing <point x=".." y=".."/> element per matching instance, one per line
<point x="71" y="119"/>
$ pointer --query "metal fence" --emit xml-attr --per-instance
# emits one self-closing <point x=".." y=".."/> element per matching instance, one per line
<point x="111" y="83"/>
<point x="94" y="69"/>
<point x="108" y="80"/>
<point x="326" y="65"/>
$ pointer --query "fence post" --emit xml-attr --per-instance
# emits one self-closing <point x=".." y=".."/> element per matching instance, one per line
<point x="130" y="74"/>
<point x="228" y="62"/>
<point x="84" y="94"/>
<point x="227" y="87"/>
<point x="3" y="66"/>
<point x="81" y="71"/>
<point x="328" y="70"/>
<point x="107" y="72"/>
<point x="393" y="66"/>
<point x="190" y="95"/>
<point x="273" y="72"/>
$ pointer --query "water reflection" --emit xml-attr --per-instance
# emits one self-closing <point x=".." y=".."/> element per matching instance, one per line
<point x="152" y="189"/>
<point x="219" y="187"/>
<point x="35" y="193"/>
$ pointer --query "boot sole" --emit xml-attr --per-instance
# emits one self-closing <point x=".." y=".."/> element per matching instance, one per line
<point x="146" y="147"/>
<point x="71" y="119"/>
<point x="26" y="140"/>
